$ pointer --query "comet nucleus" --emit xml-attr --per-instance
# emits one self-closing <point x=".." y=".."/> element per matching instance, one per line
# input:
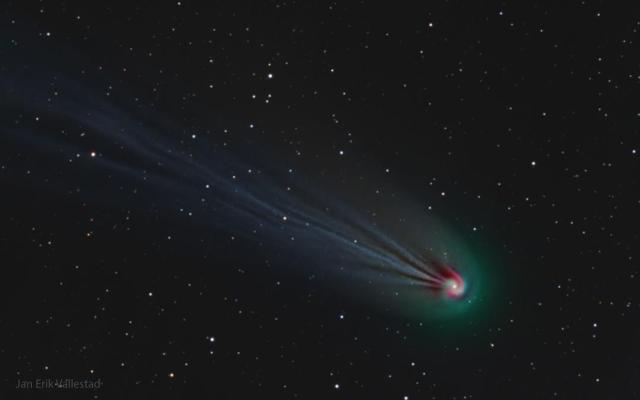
<point x="454" y="288"/>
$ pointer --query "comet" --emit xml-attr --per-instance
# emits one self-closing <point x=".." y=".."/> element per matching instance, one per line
<point x="204" y="183"/>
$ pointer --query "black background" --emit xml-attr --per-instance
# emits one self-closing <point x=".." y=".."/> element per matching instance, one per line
<point x="455" y="97"/>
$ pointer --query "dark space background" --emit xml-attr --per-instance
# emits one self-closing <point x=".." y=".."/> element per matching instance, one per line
<point x="526" y="114"/>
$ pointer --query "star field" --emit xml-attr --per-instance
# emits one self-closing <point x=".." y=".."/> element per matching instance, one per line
<point x="189" y="188"/>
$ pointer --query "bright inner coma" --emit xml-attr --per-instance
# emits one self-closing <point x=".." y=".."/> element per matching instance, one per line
<point x="454" y="287"/>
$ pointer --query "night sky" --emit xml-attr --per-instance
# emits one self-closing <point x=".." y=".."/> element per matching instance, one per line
<point x="214" y="200"/>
